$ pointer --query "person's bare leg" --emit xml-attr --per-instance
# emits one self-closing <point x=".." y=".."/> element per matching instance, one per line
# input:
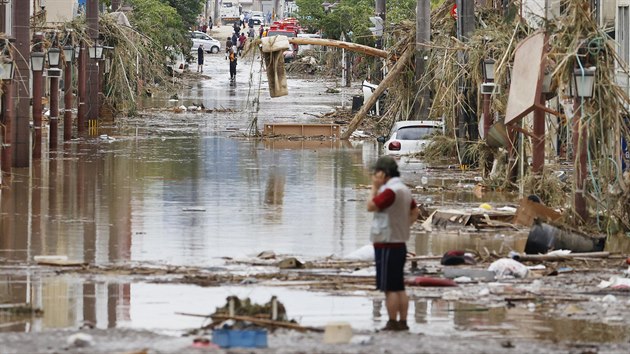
<point x="392" y="304"/>
<point x="403" y="304"/>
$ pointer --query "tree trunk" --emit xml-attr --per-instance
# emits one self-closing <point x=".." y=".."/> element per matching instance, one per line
<point x="387" y="81"/>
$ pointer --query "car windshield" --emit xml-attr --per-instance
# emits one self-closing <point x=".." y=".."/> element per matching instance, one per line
<point x="415" y="132"/>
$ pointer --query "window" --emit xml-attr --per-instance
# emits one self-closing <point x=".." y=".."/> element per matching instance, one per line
<point x="416" y="133"/>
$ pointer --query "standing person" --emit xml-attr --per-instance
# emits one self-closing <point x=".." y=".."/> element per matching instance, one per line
<point x="394" y="212"/>
<point x="233" y="62"/>
<point x="251" y="33"/>
<point x="261" y="30"/>
<point x="242" y="19"/>
<point x="210" y="23"/>
<point x="200" y="53"/>
<point x="235" y="39"/>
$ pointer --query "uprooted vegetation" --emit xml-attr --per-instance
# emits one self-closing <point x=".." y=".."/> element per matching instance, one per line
<point x="575" y="41"/>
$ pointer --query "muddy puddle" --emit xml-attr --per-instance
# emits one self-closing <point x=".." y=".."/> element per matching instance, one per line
<point x="167" y="309"/>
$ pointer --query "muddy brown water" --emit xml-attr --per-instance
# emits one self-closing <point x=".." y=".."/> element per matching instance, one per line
<point x="189" y="189"/>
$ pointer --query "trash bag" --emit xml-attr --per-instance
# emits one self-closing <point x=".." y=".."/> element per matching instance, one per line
<point x="506" y="267"/>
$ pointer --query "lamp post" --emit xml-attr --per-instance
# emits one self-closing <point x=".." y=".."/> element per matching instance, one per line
<point x="68" y="55"/>
<point x="54" y="56"/>
<point x="488" y="77"/>
<point x="37" y="66"/>
<point x="583" y="85"/>
<point x="6" y="76"/>
<point x="82" y="92"/>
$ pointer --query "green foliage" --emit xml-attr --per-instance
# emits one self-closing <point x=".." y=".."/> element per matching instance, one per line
<point x="188" y="10"/>
<point x="159" y="22"/>
<point x="348" y="16"/>
<point x="400" y="10"/>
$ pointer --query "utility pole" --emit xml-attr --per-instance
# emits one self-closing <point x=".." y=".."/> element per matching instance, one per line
<point x="92" y="99"/>
<point x="21" y="133"/>
<point x="217" y="14"/>
<point x="380" y="12"/>
<point x="465" y="27"/>
<point x="423" y="37"/>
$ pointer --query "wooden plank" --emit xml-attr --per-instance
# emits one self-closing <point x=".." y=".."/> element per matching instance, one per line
<point x="527" y="211"/>
<point x="306" y="130"/>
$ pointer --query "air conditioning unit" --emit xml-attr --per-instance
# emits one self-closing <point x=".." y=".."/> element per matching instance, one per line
<point x="490" y="88"/>
<point x="53" y="72"/>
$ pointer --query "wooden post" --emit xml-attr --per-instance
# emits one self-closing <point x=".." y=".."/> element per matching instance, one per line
<point x="22" y="113"/>
<point x="387" y="81"/>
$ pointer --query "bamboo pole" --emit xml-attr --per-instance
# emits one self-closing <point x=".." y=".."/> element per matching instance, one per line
<point x="551" y="257"/>
<point x="387" y="81"/>
<point x="341" y="44"/>
<point x="255" y="320"/>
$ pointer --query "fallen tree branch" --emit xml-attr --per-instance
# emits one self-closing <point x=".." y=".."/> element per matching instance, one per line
<point x="387" y="81"/>
<point x="255" y="320"/>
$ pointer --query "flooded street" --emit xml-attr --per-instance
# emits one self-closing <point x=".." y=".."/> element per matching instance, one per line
<point x="190" y="189"/>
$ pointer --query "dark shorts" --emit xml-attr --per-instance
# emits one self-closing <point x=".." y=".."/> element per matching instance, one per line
<point x="390" y="264"/>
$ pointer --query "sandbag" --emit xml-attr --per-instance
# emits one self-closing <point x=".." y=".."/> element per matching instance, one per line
<point x="275" y="44"/>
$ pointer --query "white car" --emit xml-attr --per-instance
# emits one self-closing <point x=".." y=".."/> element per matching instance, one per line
<point x="410" y="136"/>
<point x="175" y="62"/>
<point x="258" y="16"/>
<point x="210" y="45"/>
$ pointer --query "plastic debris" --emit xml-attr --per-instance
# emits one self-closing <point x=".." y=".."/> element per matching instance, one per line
<point x="615" y="283"/>
<point x="609" y="298"/>
<point x="485" y="206"/>
<point x="365" y="253"/>
<point x="506" y="267"/>
<point x="267" y="255"/>
<point x="80" y="340"/>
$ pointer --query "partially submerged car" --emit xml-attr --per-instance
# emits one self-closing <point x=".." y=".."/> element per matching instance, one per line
<point x="176" y="62"/>
<point x="410" y="136"/>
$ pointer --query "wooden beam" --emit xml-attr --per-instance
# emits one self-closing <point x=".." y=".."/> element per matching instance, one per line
<point x="340" y="44"/>
<point x="387" y="81"/>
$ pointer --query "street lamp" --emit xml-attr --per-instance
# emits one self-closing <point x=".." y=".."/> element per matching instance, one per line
<point x="488" y="70"/>
<point x="54" y="54"/>
<point x="583" y="82"/>
<point x="37" y="61"/>
<point x="6" y="69"/>
<point x="96" y="52"/>
<point x="68" y="53"/>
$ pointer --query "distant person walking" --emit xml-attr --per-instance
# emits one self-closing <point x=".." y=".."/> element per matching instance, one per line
<point x="233" y="63"/>
<point x="241" y="44"/>
<point x="261" y="31"/>
<point x="228" y="45"/>
<point x="200" y="53"/>
<point x="394" y="212"/>
<point x="210" y="23"/>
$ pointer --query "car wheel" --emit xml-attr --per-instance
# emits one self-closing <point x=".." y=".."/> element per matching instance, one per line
<point x="214" y="50"/>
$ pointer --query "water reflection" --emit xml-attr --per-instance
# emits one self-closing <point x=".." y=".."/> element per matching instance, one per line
<point x="69" y="303"/>
<point x="127" y="200"/>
